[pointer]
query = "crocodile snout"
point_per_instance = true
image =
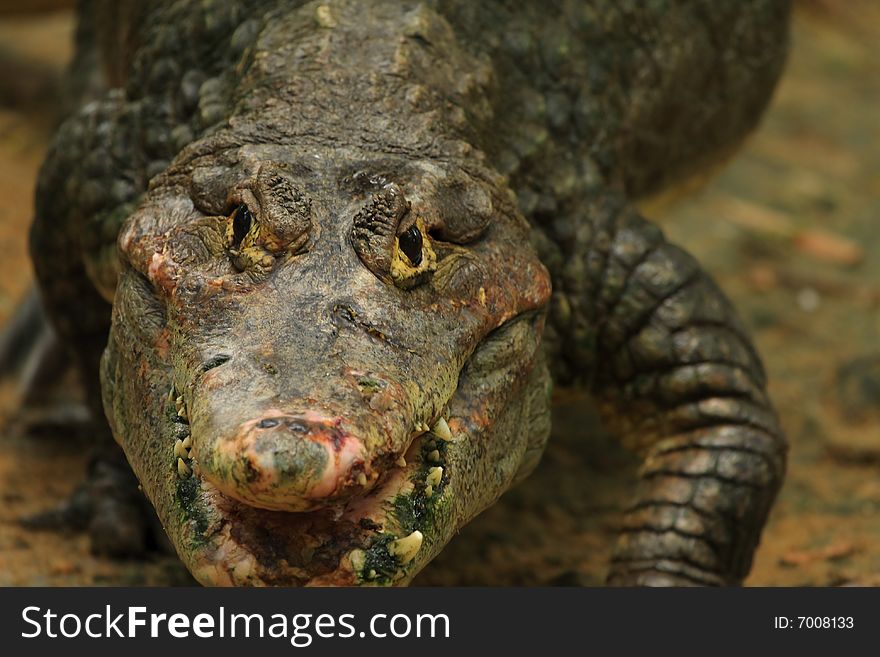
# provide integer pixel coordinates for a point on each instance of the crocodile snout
(285, 461)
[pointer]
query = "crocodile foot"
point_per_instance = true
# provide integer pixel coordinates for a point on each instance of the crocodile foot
(107, 505)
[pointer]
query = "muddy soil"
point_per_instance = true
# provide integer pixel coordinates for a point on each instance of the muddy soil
(789, 228)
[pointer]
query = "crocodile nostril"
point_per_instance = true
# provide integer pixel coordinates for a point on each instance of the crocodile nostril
(296, 426)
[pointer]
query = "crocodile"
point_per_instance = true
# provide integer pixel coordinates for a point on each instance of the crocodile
(319, 262)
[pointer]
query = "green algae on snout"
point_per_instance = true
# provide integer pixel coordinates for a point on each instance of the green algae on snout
(188, 501)
(191, 509)
(415, 511)
(379, 564)
(369, 386)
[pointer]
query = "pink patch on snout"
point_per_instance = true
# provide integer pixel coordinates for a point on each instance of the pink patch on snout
(340, 459)
(160, 272)
(344, 451)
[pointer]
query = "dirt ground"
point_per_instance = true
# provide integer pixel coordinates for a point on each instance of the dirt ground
(789, 228)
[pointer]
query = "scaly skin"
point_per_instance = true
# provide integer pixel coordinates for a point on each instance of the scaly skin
(337, 226)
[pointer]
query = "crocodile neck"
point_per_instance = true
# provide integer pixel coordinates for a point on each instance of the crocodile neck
(333, 75)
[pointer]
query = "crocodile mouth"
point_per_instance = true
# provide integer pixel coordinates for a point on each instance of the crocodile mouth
(372, 538)
(381, 534)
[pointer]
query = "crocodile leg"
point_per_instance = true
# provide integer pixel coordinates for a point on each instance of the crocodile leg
(26, 344)
(35, 363)
(80, 186)
(677, 377)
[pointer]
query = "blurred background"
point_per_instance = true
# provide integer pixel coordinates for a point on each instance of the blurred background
(790, 227)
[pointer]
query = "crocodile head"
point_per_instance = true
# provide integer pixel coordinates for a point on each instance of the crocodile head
(322, 363)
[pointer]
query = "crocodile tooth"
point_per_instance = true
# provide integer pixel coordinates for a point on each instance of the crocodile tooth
(406, 548)
(362, 479)
(371, 574)
(178, 402)
(434, 456)
(429, 491)
(441, 430)
(187, 443)
(358, 559)
(435, 474)
(181, 413)
(401, 462)
(182, 468)
(172, 394)
(180, 450)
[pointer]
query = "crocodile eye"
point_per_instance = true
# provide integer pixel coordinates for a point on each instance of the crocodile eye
(407, 259)
(410, 243)
(242, 221)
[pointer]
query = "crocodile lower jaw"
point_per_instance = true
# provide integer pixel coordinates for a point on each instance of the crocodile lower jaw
(248, 546)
